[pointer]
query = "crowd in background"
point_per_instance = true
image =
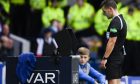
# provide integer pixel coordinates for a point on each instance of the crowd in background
(32, 19)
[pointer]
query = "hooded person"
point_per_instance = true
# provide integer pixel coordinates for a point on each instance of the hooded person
(25, 66)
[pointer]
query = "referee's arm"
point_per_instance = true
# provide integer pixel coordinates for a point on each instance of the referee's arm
(110, 46)
(113, 29)
(109, 49)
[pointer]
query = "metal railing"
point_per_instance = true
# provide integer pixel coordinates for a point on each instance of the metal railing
(21, 45)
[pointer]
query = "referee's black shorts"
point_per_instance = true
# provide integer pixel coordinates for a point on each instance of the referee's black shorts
(114, 69)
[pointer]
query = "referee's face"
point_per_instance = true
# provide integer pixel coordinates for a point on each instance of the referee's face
(107, 12)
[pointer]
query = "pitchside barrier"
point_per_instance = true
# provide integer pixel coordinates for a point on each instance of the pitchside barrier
(64, 71)
(48, 70)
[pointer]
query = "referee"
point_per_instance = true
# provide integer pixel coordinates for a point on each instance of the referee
(116, 34)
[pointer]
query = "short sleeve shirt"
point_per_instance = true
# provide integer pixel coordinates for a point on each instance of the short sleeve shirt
(117, 28)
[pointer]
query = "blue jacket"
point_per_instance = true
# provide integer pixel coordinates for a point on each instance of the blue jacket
(92, 73)
(25, 66)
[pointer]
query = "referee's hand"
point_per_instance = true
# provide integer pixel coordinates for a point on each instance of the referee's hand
(103, 63)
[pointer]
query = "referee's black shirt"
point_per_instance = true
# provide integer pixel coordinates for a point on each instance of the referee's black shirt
(117, 28)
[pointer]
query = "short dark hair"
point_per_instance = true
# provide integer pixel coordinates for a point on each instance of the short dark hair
(109, 3)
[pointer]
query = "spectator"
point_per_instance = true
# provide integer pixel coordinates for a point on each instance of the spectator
(80, 17)
(86, 72)
(47, 44)
(56, 26)
(6, 41)
(52, 12)
(94, 43)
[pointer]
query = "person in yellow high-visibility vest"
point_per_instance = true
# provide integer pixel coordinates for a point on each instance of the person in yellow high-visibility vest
(136, 43)
(62, 3)
(37, 4)
(5, 10)
(137, 15)
(80, 15)
(101, 22)
(131, 14)
(6, 5)
(52, 12)
(131, 18)
(17, 2)
(80, 18)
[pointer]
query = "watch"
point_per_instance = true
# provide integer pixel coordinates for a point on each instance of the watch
(105, 58)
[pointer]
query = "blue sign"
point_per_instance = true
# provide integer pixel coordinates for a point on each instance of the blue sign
(133, 80)
(2, 73)
(1, 67)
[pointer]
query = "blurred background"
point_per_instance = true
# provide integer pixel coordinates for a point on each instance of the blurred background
(29, 25)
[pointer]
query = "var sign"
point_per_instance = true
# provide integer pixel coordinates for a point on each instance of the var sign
(44, 77)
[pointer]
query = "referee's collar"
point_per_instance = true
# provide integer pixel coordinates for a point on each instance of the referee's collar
(115, 16)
